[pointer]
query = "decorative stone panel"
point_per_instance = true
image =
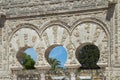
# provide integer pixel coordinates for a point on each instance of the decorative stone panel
(24, 37)
(91, 32)
(57, 34)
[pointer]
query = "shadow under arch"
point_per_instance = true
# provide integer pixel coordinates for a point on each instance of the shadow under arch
(23, 25)
(88, 55)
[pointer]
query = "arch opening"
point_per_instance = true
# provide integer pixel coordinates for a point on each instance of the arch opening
(56, 55)
(88, 56)
(27, 57)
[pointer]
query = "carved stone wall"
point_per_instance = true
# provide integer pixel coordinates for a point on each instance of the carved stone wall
(116, 58)
(30, 7)
(91, 32)
(70, 23)
(118, 32)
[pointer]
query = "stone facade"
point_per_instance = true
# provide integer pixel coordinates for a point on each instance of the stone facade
(70, 23)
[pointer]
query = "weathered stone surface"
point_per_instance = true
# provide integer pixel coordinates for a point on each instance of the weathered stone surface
(70, 23)
(18, 8)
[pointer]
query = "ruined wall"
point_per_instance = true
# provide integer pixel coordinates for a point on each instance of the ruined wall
(70, 23)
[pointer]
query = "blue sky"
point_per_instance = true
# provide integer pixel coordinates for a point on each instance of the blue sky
(58, 52)
(32, 53)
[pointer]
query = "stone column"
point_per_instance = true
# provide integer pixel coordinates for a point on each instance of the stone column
(14, 77)
(2, 21)
(0, 46)
(2, 72)
(72, 74)
(42, 76)
(117, 33)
